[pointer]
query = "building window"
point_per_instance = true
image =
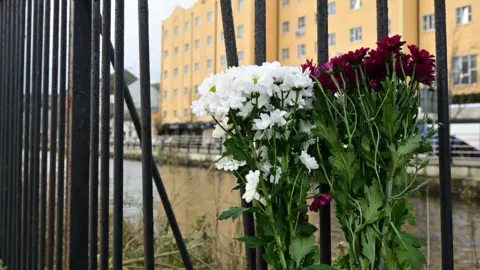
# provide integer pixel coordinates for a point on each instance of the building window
(240, 31)
(240, 57)
(165, 94)
(176, 50)
(197, 44)
(197, 21)
(187, 69)
(302, 50)
(389, 27)
(187, 47)
(187, 26)
(185, 113)
(196, 89)
(164, 115)
(241, 5)
(210, 16)
(185, 91)
(332, 9)
(332, 40)
(165, 34)
(286, 27)
(285, 53)
(301, 22)
(465, 70)
(165, 54)
(429, 22)
(175, 116)
(356, 34)
(177, 30)
(175, 72)
(285, 3)
(223, 60)
(165, 75)
(175, 92)
(209, 63)
(196, 66)
(222, 37)
(464, 15)
(355, 4)
(209, 40)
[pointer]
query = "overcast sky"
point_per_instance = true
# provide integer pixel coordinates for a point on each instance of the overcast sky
(159, 11)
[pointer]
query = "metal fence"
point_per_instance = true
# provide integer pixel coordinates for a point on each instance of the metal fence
(40, 226)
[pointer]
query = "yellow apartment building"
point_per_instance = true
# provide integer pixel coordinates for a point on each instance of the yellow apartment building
(193, 47)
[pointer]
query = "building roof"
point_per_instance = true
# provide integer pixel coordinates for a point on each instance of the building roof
(129, 79)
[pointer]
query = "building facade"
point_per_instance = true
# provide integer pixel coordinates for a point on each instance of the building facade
(193, 47)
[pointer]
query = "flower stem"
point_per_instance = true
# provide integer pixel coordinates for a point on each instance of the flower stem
(277, 238)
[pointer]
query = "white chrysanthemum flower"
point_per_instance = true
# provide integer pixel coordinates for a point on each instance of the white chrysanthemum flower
(245, 110)
(307, 144)
(263, 134)
(263, 152)
(278, 117)
(308, 161)
(265, 168)
(219, 131)
(228, 163)
(306, 127)
(275, 178)
(263, 123)
(252, 178)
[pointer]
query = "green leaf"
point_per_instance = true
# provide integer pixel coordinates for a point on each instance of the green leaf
(328, 134)
(374, 202)
(252, 242)
(319, 267)
(300, 247)
(368, 245)
(409, 250)
(233, 213)
(345, 164)
(306, 228)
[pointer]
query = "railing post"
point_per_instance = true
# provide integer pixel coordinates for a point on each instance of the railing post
(232, 61)
(78, 135)
(443, 101)
(325, 212)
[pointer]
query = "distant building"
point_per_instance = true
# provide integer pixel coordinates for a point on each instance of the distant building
(193, 45)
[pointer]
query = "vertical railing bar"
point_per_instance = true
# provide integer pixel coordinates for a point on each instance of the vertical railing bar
(30, 216)
(3, 131)
(78, 136)
(6, 136)
(53, 139)
(21, 184)
(13, 134)
(26, 150)
(118, 138)
(146, 134)
(232, 61)
(44, 159)
(325, 224)
(94, 118)
(8, 256)
(61, 138)
(444, 136)
(36, 132)
(260, 58)
(382, 19)
(156, 177)
(2, 120)
(105, 137)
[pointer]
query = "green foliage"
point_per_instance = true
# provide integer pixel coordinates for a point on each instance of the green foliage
(367, 142)
(301, 247)
(251, 242)
(233, 213)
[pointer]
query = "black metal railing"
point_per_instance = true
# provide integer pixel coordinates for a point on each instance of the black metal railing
(41, 226)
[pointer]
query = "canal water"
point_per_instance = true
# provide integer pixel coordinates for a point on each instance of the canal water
(201, 192)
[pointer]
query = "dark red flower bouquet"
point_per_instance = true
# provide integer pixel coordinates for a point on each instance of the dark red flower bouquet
(368, 130)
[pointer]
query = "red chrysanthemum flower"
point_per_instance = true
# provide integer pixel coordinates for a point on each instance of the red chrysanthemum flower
(320, 201)
(309, 65)
(356, 57)
(391, 44)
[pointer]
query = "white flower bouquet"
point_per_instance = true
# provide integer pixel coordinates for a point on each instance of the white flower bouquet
(264, 113)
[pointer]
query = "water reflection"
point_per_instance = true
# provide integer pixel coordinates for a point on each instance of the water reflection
(197, 191)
